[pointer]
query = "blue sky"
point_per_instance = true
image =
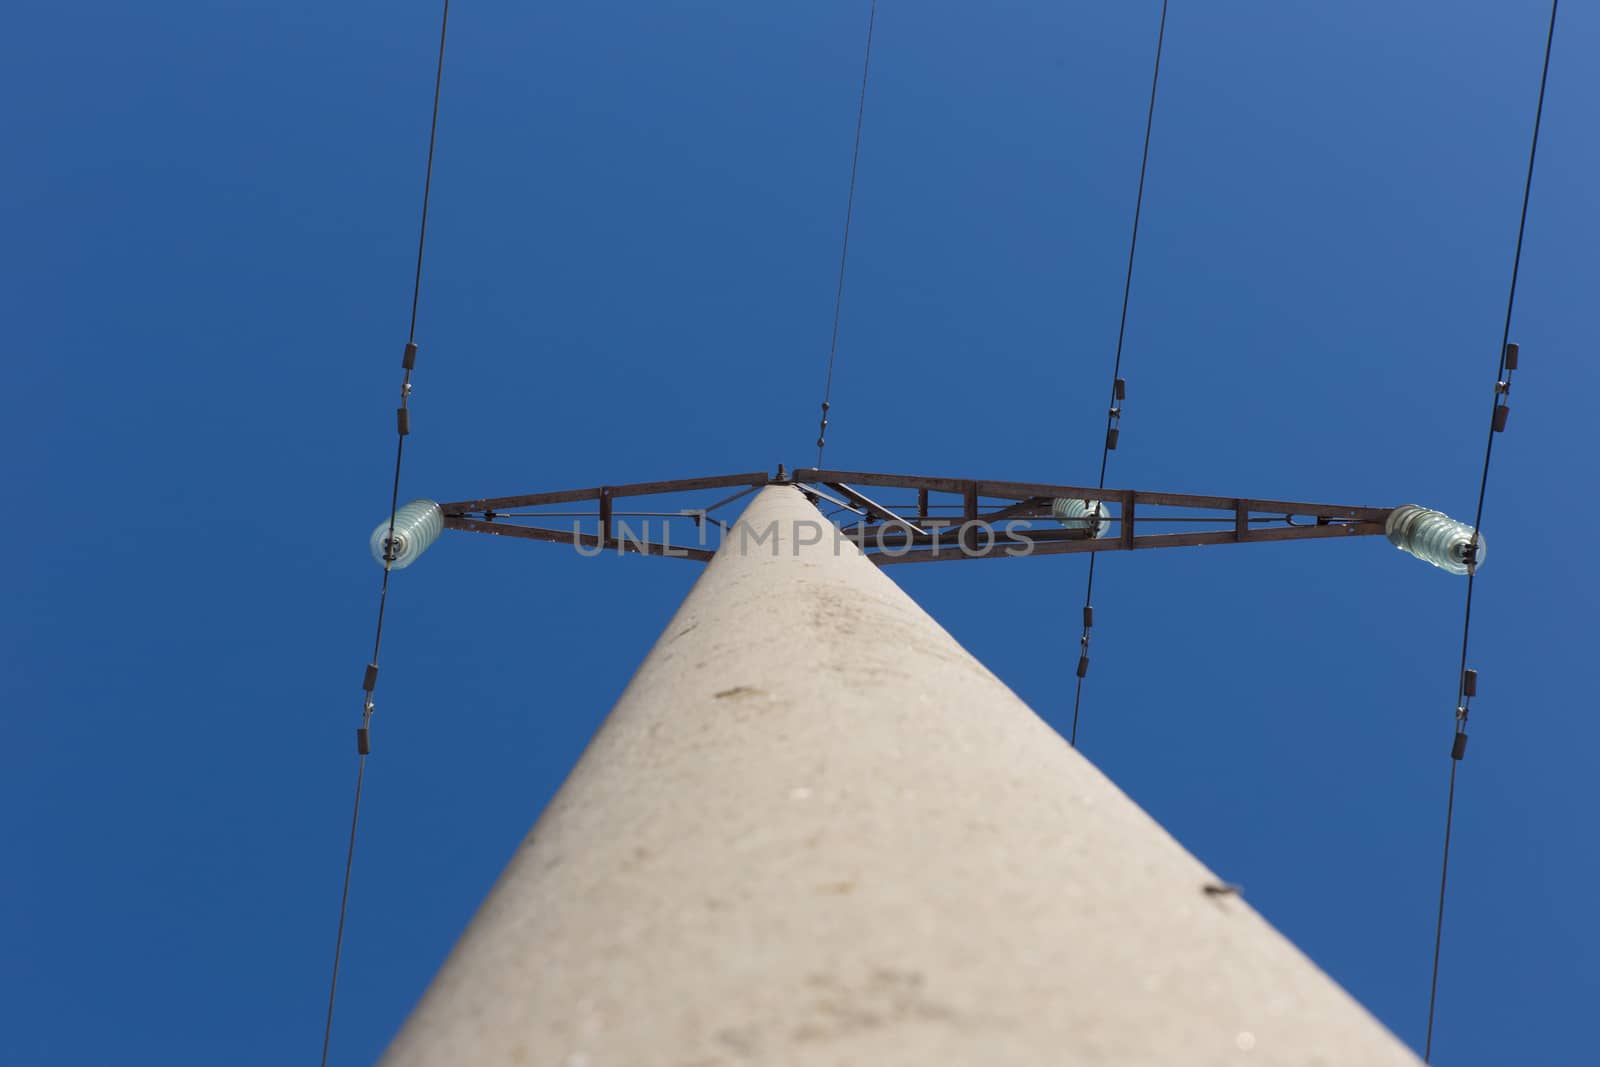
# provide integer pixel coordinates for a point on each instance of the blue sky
(210, 227)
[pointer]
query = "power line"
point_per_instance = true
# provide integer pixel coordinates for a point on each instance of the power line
(1466, 680)
(403, 428)
(844, 250)
(344, 900)
(1118, 386)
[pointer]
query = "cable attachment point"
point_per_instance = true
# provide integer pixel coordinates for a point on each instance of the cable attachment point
(364, 731)
(1119, 390)
(1502, 388)
(398, 540)
(1086, 515)
(1436, 538)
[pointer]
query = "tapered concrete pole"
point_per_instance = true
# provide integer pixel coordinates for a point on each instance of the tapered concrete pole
(815, 831)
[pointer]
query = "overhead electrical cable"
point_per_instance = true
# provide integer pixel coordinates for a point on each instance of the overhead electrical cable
(844, 249)
(1467, 680)
(1118, 385)
(403, 428)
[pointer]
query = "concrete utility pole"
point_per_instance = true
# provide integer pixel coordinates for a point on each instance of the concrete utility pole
(816, 831)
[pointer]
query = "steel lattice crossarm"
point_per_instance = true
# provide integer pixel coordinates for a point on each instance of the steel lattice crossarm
(896, 518)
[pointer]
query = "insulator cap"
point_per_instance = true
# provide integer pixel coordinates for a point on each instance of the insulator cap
(402, 418)
(1511, 356)
(1083, 666)
(1088, 616)
(1434, 537)
(416, 526)
(370, 681)
(1469, 682)
(1501, 413)
(1121, 388)
(1081, 515)
(409, 360)
(363, 740)
(1111, 438)
(1458, 749)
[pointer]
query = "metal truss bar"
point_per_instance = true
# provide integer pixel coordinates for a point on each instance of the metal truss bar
(1356, 513)
(813, 491)
(958, 486)
(577, 539)
(1034, 507)
(995, 518)
(902, 532)
(1019, 545)
(725, 501)
(755, 478)
(946, 531)
(932, 527)
(872, 506)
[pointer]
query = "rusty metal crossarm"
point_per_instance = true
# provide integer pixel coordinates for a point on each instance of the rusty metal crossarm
(989, 519)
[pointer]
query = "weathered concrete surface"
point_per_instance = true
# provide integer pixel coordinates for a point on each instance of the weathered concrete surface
(815, 831)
